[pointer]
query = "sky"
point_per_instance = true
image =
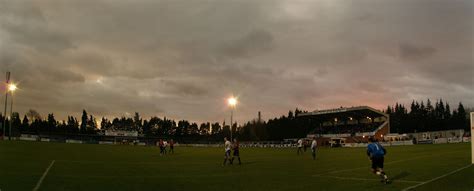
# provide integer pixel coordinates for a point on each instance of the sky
(183, 58)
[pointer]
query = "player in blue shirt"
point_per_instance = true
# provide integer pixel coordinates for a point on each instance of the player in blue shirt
(376, 154)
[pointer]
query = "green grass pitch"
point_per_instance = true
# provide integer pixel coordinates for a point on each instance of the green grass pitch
(119, 167)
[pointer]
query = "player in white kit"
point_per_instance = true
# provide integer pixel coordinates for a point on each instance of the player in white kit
(227, 146)
(314, 145)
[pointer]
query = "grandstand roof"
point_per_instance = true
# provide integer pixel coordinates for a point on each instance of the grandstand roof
(359, 112)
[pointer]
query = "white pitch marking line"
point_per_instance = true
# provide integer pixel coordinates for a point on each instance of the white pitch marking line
(393, 162)
(349, 178)
(44, 175)
(437, 178)
(351, 169)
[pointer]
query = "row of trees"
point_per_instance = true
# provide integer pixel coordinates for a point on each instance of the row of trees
(429, 117)
(33, 123)
(419, 117)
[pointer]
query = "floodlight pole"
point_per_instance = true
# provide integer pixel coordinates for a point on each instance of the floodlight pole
(472, 137)
(6, 102)
(11, 119)
(5, 115)
(231, 123)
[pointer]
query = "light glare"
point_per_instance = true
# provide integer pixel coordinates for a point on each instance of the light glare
(232, 101)
(12, 87)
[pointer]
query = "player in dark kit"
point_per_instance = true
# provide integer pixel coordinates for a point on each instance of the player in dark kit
(376, 154)
(162, 147)
(305, 145)
(236, 146)
(171, 146)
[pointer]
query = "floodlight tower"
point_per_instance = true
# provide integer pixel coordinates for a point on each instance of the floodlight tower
(11, 88)
(6, 102)
(232, 102)
(472, 137)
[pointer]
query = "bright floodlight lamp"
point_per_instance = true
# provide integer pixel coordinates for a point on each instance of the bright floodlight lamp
(232, 101)
(12, 87)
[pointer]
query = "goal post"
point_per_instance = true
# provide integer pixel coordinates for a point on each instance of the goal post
(472, 137)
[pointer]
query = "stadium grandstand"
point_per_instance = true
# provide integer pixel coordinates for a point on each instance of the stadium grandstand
(347, 125)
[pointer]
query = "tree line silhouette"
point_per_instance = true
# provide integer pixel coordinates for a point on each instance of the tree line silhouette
(427, 117)
(418, 118)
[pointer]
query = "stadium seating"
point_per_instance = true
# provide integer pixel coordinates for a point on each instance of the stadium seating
(348, 129)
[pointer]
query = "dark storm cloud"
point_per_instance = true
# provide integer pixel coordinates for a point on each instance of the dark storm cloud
(189, 88)
(181, 59)
(64, 76)
(251, 44)
(412, 52)
(27, 26)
